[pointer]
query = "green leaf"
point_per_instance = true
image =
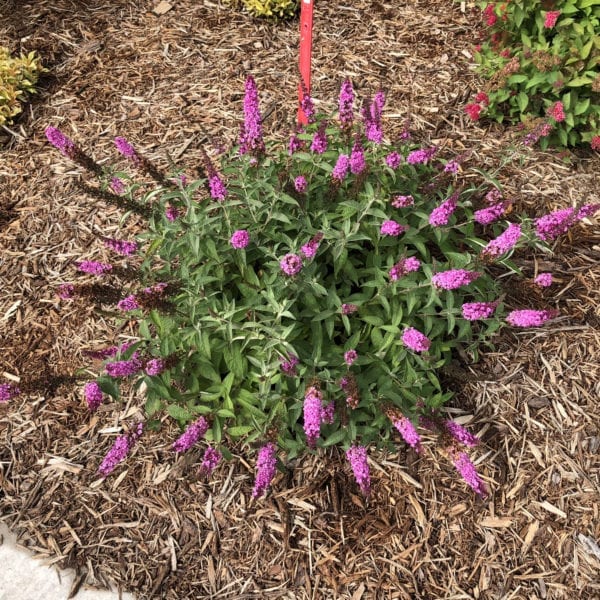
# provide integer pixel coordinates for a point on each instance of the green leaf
(522, 101)
(179, 413)
(580, 81)
(239, 431)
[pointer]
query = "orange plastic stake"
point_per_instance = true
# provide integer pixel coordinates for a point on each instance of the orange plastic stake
(306, 25)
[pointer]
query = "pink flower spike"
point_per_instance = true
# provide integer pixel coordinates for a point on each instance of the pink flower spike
(461, 435)
(265, 466)
(126, 149)
(415, 340)
(7, 392)
(543, 280)
(93, 395)
(409, 433)
(291, 264)
(357, 456)
(210, 460)
(392, 228)
(191, 435)
(530, 318)
(503, 243)
(313, 413)
(120, 449)
(473, 311)
(551, 18)
(465, 467)
(350, 357)
(240, 239)
(454, 278)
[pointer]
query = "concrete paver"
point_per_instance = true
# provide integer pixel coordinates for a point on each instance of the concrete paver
(23, 577)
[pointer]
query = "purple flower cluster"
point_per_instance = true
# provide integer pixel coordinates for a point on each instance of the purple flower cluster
(404, 266)
(251, 139)
(300, 184)
(8, 391)
(93, 267)
(126, 149)
(307, 105)
(210, 460)
(357, 158)
(120, 449)
(587, 211)
(408, 432)
(415, 340)
(289, 364)
(265, 469)
(217, 188)
(530, 318)
(350, 356)
(346, 101)
(172, 213)
(422, 156)
(93, 395)
(473, 311)
(550, 226)
(393, 160)
(313, 414)
(128, 303)
(291, 264)
(460, 434)
(488, 215)
(465, 467)
(439, 216)
(503, 243)
(240, 239)
(348, 309)
(372, 118)
(191, 435)
(122, 247)
(403, 201)
(341, 168)
(543, 280)
(454, 278)
(59, 140)
(124, 368)
(108, 352)
(319, 142)
(357, 456)
(66, 291)
(452, 166)
(392, 227)
(155, 366)
(117, 186)
(310, 250)
(328, 413)
(295, 144)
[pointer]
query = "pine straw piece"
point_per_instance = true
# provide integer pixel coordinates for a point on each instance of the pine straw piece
(173, 84)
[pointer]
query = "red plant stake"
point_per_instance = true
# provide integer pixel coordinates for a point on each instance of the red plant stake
(306, 23)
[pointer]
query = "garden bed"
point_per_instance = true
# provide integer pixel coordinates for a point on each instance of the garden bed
(171, 84)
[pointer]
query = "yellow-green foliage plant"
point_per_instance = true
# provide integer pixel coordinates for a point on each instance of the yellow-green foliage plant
(18, 77)
(277, 9)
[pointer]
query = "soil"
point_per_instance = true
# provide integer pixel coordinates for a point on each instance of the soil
(173, 84)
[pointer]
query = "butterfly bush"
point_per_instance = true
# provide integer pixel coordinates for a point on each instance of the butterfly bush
(311, 298)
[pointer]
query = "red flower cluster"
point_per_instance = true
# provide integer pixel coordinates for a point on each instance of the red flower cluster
(556, 111)
(551, 18)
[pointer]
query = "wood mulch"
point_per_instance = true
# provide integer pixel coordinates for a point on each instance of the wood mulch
(171, 84)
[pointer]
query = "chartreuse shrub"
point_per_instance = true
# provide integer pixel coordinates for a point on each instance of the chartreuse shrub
(278, 9)
(306, 296)
(541, 60)
(18, 77)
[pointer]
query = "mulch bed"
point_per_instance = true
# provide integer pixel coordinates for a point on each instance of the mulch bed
(173, 84)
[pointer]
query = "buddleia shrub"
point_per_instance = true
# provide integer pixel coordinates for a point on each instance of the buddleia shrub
(18, 77)
(306, 296)
(541, 62)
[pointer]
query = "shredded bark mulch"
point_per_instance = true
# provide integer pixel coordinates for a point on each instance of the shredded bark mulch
(172, 84)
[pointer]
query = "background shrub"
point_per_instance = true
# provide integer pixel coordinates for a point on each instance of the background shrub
(541, 62)
(18, 77)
